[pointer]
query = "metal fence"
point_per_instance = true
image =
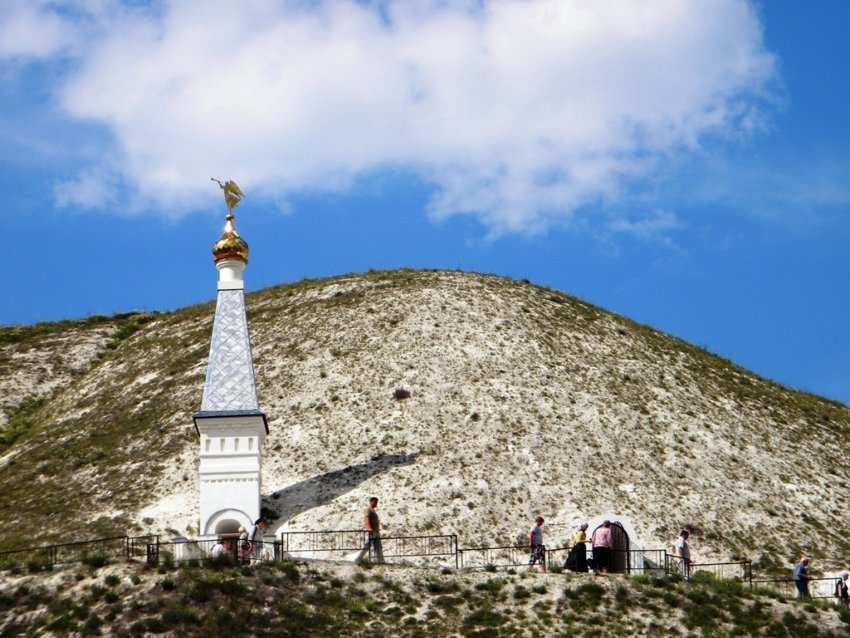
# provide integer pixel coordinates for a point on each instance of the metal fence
(199, 549)
(347, 544)
(435, 549)
(675, 565)
(429, 550)
(45, 557)
(818, 587)
(737, 570)
(623, 561)
(493, 557)
(328, 544)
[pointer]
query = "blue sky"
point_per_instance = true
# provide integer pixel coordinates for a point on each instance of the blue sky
(686, 164)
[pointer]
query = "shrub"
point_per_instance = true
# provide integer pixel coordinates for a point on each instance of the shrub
(38, 565)
(440, 586)
(95, 561)
(289, 568)
(493, 585)
(178, 616)
(521, 593)
(585, 597)
(167, 584)
(91, 627)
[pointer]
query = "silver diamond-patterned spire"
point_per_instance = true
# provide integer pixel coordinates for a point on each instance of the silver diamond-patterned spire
(230, 370)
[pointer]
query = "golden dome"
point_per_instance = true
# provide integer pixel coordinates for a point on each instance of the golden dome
(230, 245)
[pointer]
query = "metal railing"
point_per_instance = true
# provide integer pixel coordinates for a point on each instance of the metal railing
(494, 557)
(341, 544)
(437, 549)
(622, 561)
(675, 565)
(324, 544)
(47, 556)
(818, 587)
(199, 549)
(433, 548)
(736, 570)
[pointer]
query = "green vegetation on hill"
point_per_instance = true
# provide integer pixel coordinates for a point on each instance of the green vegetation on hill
(328, 601)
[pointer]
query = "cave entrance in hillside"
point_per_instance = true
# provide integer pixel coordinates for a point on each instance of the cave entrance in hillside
(620, 556)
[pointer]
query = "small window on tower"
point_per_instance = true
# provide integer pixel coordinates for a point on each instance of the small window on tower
(207, 447)
(235, 445)
(221, 445)
(250, 443)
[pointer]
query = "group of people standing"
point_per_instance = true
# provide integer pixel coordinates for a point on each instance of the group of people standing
(249, 546)
(601, 543)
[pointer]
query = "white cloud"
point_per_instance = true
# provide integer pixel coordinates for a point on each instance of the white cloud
(30, 29)
(518, 111)
(655, 226)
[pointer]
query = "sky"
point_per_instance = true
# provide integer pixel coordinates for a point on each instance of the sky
(682, 163)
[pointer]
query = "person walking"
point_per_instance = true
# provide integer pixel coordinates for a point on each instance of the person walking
(842, 593)
(801, 577)
(243, 545)
(538, 549)
(372, 523)
(603, 542)
(683, 551)
(255, 540)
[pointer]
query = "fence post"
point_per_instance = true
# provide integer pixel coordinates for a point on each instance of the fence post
(153, 553)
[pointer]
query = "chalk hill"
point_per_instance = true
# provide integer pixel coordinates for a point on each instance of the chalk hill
(468, 402)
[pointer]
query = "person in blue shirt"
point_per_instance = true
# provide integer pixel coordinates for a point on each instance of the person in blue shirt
(801, 577)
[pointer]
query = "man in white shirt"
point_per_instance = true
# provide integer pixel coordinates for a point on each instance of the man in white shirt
(684, 552)
(535, 541)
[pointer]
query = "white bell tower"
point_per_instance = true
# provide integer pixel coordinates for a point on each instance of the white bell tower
(230, 424)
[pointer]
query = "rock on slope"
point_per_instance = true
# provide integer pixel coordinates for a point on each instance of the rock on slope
(468, 402)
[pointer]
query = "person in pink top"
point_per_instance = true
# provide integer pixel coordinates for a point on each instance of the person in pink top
(603, 543)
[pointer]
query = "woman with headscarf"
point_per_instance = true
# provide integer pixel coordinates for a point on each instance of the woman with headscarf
(603, 542)
(579, 540)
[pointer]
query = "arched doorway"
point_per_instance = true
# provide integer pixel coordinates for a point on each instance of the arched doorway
(226, 523)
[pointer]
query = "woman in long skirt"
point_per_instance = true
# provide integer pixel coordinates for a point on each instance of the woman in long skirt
(580, 548)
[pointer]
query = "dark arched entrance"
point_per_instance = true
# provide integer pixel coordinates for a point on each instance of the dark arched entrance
(620, 556)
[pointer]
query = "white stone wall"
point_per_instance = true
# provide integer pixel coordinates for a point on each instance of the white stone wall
(230, 471)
